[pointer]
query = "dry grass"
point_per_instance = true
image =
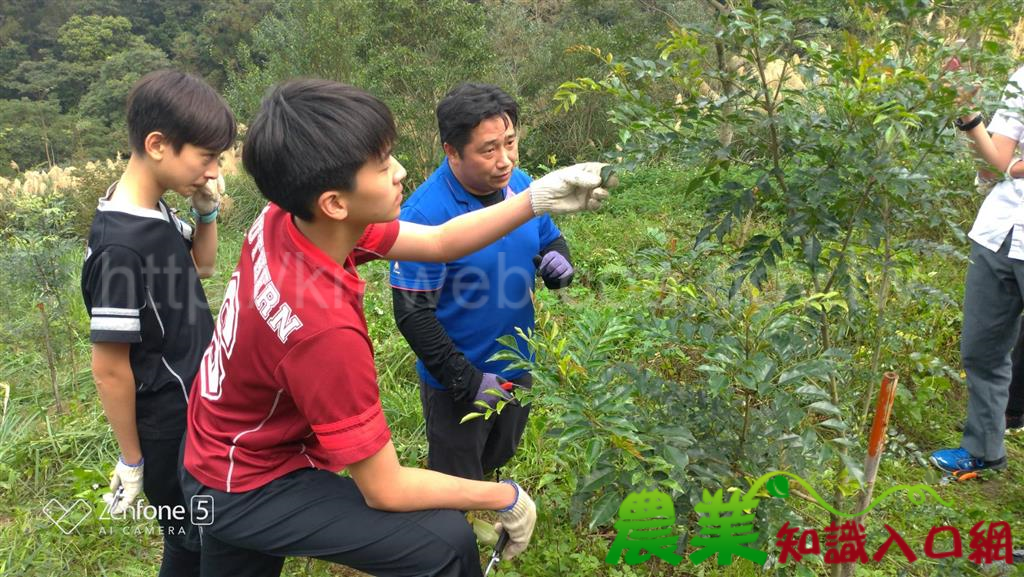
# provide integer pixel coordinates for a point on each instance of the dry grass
(1018, 39)
(56, 179)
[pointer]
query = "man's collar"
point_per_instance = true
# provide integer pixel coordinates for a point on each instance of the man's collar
(459, 192)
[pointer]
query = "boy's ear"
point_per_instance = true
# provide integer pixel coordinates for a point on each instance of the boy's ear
(155, 145)
(450, 152)
(334, 204)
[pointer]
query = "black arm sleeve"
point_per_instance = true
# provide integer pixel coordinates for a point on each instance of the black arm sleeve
(414, 315)
(561, 246)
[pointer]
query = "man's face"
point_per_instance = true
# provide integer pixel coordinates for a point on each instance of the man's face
(487, 160)
(377, 195)
(187, 170)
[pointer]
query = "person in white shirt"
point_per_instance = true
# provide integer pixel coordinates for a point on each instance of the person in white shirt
(994, 295)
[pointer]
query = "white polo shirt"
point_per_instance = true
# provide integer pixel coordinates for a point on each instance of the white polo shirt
(1003, 209)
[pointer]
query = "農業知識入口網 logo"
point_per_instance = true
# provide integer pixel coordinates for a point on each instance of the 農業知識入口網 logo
(727, 530)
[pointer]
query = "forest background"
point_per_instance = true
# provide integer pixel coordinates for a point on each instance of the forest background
(790, 225)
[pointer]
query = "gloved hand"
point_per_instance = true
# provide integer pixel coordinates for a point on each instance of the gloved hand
(492, 382)
(518, 520)
(984, 185)
(128, 477)
(570, 189)
(555, 270)
(207, 199)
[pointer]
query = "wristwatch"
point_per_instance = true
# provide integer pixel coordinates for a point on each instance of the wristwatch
(970, 124)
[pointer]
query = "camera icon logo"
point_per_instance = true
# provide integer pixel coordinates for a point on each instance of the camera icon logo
(201, 513)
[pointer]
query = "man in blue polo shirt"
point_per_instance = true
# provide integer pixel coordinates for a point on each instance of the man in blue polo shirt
(453, 313)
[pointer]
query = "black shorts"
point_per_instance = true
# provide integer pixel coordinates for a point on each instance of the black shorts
(475, 448)
(316, 513)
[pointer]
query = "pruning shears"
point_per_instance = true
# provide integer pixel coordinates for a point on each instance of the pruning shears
(116, 500)
(496, 554)
(959, 476)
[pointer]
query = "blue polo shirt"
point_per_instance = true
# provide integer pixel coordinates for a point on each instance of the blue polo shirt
(484, 295)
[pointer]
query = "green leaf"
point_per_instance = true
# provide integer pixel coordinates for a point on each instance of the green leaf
(853, 467)
(825, 408)
(845, 442)
(605, 509)
(811, 391)
(596, 480)
(835, 424)
(545, 479)
(677, 458)
(470, 417)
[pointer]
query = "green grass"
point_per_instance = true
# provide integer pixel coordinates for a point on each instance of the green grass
(45, 455)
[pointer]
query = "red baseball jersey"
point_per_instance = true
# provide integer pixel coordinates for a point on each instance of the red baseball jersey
(288, 381)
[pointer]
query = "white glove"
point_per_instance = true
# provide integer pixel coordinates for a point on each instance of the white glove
(518, 522)
(570, 189)
(207, 199)
(984, 185)
(128, 478)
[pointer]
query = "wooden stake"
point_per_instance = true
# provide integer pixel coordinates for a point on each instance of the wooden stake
(876, 443)
(49, 356)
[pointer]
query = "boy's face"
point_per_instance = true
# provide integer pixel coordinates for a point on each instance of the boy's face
(487, 160)
(377, 196)
(186, 171)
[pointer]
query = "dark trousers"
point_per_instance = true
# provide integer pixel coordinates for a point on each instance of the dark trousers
(315, 513)
(475, 448)
(161, 486)
(993, 300)
(1015, 405)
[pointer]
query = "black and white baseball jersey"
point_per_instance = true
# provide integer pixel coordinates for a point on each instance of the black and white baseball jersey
(141, 287)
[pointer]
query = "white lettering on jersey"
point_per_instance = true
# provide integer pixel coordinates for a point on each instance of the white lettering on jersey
(211, 371)
(284, 322)
(267, 299)
(257, 227)
(266, 296)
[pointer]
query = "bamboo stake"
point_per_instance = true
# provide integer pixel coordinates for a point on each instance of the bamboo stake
(876, 442)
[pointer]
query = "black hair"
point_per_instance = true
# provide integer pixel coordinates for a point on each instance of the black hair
(466, 106)
(311, 136)
(184, 108)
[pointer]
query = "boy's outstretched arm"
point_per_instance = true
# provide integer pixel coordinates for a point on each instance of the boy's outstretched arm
(566, 190)
(388, 486)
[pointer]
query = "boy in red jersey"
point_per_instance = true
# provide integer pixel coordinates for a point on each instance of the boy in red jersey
(287, 393)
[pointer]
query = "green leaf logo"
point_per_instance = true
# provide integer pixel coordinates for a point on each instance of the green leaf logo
(778, 486)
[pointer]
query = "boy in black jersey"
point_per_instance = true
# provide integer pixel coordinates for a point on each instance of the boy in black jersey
(150, 321)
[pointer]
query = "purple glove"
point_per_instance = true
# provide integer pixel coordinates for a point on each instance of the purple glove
(555, 269)
(492, 381)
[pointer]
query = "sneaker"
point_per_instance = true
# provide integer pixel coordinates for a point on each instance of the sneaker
(1014, 424)
(959, 460)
